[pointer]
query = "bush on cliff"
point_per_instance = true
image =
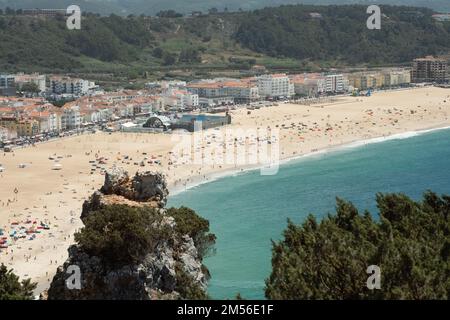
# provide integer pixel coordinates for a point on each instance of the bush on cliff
(187, 287)
(120, 234)
(12, 289)
(410, 242)
(190, 223)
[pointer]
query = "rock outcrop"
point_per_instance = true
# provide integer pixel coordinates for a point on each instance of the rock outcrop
(155, 276)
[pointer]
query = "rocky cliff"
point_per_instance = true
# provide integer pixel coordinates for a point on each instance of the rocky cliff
(163, 273)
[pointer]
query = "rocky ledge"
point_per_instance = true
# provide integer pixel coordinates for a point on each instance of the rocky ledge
(157, 273)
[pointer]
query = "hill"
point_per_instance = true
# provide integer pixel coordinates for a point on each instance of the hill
(151, 7)
(284, 38)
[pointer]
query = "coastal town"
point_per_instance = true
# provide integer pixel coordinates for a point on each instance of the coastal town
(32, 117)
(45, 184)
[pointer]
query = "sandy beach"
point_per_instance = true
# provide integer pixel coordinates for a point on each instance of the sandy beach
(36, 194)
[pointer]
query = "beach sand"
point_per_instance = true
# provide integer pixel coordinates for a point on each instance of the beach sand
(55, 197)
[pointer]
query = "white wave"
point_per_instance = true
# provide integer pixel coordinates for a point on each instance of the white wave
(318, 153)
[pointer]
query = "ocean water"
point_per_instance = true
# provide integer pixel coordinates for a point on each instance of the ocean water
(247, 211)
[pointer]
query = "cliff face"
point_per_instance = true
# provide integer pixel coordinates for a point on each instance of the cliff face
(157, 274)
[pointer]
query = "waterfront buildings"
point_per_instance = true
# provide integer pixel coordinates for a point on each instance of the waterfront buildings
(275, 86)
(180, 99)
(335, 83)
(380, 79)
(312, 84)
(430, 69)
(71, 118)
(224, 91)
(22, 127)
(308, 84)
(6, 134)
(48, 121)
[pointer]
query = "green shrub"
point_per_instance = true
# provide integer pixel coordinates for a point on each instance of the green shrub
(120, 234)
(328, 260)
(12, 289)
(190, 223)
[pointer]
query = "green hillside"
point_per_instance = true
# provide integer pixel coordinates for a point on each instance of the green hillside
(284, 38)
(151, 7)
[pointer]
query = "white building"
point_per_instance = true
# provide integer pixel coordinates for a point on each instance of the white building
(237, 90)
(6, 134)
(181, 99)
(336, 83)
(275, 86)
(397, 77)
(48, 122)
(6, 81)
(64, 85)
(71, 118)
(309, 84)
(7, 85)
(38, 79)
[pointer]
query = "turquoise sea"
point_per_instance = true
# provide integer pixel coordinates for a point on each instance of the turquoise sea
(247, 210)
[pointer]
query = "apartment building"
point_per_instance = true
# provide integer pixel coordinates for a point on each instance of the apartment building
(241, 91)
(23, 127)
(48, 121)
(430, 69)
(206, 89)
(38, 79)
(394, 78)
(65, 85)
(335, 83)
(181, 99)
(71, 118)
(7, 85)
(236, 90)
(380, 79)
(308, 84)
(275, 86)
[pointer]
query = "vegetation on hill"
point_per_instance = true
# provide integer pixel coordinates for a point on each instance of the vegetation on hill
(123, 235)
(133, 232)
(284, 38)
(410, 242)
(129, 233)
(151, 7)
(342, 34)
(12, 289)
(188, 222)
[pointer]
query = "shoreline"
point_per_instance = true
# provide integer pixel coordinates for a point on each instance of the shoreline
(221, 174)
(56, 197)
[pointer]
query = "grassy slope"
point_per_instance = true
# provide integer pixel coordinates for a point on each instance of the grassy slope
(123, 47)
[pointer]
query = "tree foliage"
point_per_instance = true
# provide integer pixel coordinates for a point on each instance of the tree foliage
(12, 289)
(188, 222)
(30, 87)
(120, 234)
(410, 242)
(341, 34)
(114, 42)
